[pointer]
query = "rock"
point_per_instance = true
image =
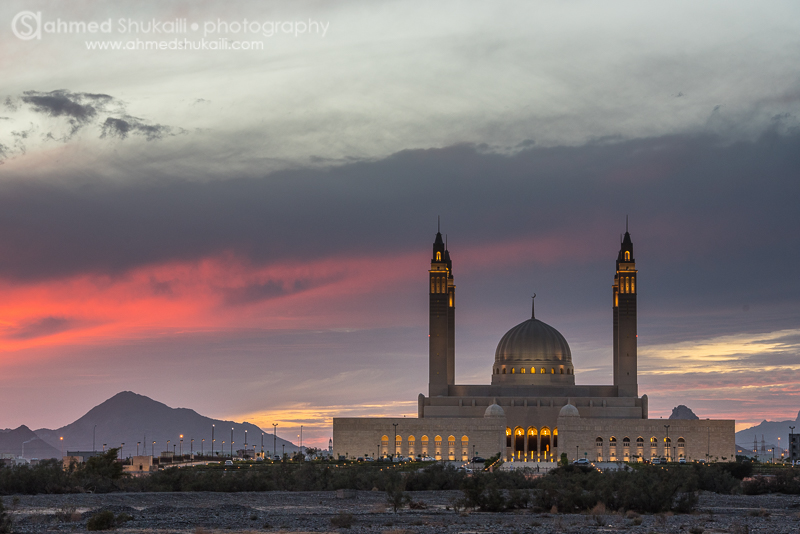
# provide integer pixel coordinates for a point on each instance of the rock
(682, 412)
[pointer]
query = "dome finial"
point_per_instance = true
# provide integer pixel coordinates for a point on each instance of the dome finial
(533, 306)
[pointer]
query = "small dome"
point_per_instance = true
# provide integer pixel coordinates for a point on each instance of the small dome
(569, 411)
(495, 410)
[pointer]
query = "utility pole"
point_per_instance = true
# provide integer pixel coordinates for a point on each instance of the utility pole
(274, 439)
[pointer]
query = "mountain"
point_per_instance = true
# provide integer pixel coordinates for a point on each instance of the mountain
(130, 418)
(23, 438)
(682, 412)
(771, 431)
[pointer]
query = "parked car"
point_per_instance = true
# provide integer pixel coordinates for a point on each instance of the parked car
(681, 460)
(478, 460)
(428, 459)
(228, 462)
(656, 461)
(581, 461)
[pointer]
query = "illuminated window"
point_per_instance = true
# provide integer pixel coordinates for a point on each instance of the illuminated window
(438, 256)
(522, 370)
(653, 443)
(542, 371)
(424, 442)
(627, 256)
(599, 442)
(533, 370)
(555, 438)
(451, 441)
(437, 441)
(512, 371)
(626, 441)
(552, 371)
(508, 437)
(633, 285)
(681, 443)
(640, 442)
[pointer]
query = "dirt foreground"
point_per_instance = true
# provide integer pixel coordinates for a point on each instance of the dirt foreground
(203, 513)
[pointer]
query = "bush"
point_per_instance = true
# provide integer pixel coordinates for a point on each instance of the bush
(342, 520)
(5, 521)
(101, 521)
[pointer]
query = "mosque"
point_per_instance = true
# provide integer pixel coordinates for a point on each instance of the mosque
(533, 411)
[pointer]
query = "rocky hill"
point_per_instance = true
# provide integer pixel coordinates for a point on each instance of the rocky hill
(130, 418)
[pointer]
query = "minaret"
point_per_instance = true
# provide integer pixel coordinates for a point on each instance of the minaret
(441, 342)
(625, 334)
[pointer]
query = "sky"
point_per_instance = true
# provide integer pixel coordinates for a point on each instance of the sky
(230, 206)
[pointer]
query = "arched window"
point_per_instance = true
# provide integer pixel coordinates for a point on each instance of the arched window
(653, 442)
(627, 256)
(433, 285)
(544, 442)
(424, 447)
(451, 442)
(533, 370)
(438, 256)
(552, 371)
(633, 285)
(533, 442)
(519, 442)
(504, 370)
(681, 443)
(542, 371)
(598, 441)
(512, 371)
(562, 370)
(640, 442)
(626, 441)
(384, 445)
(555, 438)
(522, 370)
(508, 437)
(612, 441)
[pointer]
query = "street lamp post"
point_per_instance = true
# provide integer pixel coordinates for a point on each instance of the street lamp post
(577, 449)
(245, 439)
(301, 439)
(168, 442)
(202, 447)
(181, 449)
(137, 448)
(791, 444)
(61, 439)
(191, 448)
(667, 443)
(212, 440)
(231, 443)
(274, 438)
(262, 445)
(153, 450)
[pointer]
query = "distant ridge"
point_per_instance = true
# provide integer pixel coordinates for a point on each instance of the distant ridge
(128, 418)
(771, 431)
(14, 441)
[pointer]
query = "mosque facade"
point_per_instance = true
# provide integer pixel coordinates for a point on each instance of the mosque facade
(532, 410)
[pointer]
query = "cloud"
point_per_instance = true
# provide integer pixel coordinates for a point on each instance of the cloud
(121, 128)
(41, 327)
(80, 109)
(77, 111)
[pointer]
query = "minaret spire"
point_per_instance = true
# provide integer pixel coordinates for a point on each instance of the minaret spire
(533, 306)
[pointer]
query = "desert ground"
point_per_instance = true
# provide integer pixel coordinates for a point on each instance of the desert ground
(367, 511)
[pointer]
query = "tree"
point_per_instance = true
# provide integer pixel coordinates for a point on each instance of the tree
(104, 466)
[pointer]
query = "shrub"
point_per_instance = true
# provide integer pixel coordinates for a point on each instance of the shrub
(101, 521)
(342, 520)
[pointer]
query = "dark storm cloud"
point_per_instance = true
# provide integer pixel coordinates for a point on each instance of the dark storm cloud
(44, 326)
(710, 215)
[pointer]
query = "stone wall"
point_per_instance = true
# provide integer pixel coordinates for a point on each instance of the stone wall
(355, 437)
(704, 439)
